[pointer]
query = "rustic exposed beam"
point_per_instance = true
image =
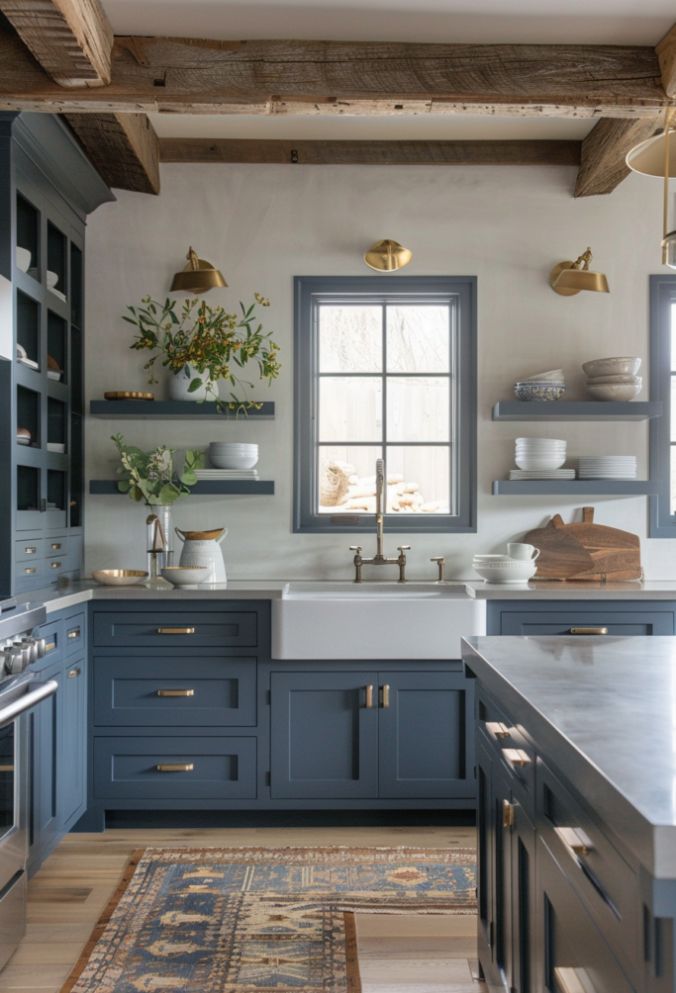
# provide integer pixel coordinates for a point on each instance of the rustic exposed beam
(370, 152)
(602, 165)
(123, 147)
(291, 77)
(71, 39)
(666, 54)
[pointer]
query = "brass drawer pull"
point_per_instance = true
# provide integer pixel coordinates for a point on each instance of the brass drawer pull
(368, 696)
(174, 767)
(385, 696)
(56, 546)
(55, 565)
(73, 673)
(516, 757)
(588, 630)
(576, 841)
(186, 630)
(50, 646)
(174, 693)
(73, 634)
(30, 570)
(31, 550)
(497, 729)
(508, 815)
(571, 980)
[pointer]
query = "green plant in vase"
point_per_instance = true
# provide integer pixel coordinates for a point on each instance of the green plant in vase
(151, 477)
(203, 346)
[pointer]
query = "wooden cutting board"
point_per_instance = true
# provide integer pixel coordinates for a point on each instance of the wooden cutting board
(586, 551)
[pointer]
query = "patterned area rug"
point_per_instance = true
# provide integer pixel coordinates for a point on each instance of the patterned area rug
(259, 920)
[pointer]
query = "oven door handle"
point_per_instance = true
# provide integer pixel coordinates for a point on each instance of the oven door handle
(28, 700)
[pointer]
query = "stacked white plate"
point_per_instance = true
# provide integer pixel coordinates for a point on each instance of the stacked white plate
(542, 474)
(607, 467)
(232, 455)
(540, 454)
(226, 473)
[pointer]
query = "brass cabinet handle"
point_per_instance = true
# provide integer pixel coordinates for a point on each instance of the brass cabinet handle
(385, 696)
(508, 814)
(516, 757)
(571, 980)
(50, 646)
(73, 673)
(575, 840)
(55, 565)
(186, 630)
(588, 630)
(56, 546)
(30, 550)
(368, 696)
(497, 729)
(174, 767)
(174, 693)
(73, 634)
(30, 570)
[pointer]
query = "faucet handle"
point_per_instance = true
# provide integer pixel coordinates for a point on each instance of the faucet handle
(441, 563)
(356, 548)
(403, 548)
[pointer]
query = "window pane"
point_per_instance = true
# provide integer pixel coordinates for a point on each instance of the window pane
(672, 504)
(350, 339)
(418, 480)
(347, 482)
(673, 336)
(673, 408)
(418, 338)
(350, 409)
(418, 409)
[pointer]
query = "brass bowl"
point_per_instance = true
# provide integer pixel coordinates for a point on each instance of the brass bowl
(211, 535)
(119, 577)
(128, 395)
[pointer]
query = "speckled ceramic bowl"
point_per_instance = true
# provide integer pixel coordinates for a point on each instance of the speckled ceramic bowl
(544, 390)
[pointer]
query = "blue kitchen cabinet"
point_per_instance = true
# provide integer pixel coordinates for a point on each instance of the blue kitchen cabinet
(619, 618)
(44, 828)
(71, 759)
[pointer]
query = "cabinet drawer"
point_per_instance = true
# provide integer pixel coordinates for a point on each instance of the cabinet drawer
(52, 632)
(509, 746)
(30, 575)
(174, 692)
(576, 956)
(56, 546)
(54, 567)
(607, 885)
(174, 768)
(29, 550)
(177, 629)
(597, 621)
(74, 634)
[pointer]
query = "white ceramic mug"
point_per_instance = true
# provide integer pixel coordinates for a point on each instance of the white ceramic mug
(519, 550)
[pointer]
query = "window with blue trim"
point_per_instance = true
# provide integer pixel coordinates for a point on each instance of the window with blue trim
(662, 518)
(385, 368)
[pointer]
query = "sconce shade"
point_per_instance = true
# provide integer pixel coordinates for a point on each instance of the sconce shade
(648, 156)
(198, 276)
(568, 278)
(387, 256)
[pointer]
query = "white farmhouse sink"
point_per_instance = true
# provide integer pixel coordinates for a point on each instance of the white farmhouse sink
(374, 621)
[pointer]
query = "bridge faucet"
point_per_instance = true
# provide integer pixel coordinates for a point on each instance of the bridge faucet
(380, 558)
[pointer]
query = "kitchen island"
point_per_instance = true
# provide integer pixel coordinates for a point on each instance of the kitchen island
(576, 766)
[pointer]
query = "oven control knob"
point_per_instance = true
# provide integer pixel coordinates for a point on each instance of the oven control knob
(41, 646)
(30, 646)
(14, 660)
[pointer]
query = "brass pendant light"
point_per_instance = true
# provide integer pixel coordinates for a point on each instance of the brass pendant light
(568, 278)
(387, 256)
(198, 276)
(657, 157)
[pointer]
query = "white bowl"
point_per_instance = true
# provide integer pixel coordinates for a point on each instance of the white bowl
(52, 279)
(227, 445)
(186, 575)
(514, 571)
(626, 365)
(536, 442)
(491, 559)
(233, 461)
(615, 391)
(551, 375)
(626, 380)
(540, 464)
(23, 258)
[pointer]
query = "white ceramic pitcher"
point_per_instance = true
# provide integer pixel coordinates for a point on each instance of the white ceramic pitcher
(204, 551)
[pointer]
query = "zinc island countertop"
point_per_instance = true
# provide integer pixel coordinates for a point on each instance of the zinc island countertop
(604, 712)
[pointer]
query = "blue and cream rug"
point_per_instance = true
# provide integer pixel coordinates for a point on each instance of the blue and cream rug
(259, 920)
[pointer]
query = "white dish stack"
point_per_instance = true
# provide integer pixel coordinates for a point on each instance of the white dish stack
(607, 467)
(614, 378)
(230, 460)
(540, 458)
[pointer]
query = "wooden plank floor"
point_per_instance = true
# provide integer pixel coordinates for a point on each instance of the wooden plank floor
(70, 891)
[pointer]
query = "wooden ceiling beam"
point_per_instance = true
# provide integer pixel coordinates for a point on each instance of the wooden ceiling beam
(602, 165)
(178, 75)
(666, 54)
(382, 153)
(71, 39)
(124, 148)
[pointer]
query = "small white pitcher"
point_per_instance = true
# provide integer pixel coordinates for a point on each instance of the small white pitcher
(204, 552)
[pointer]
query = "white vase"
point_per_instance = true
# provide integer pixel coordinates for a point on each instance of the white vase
(180, 381)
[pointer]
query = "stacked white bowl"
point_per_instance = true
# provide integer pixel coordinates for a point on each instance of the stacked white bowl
(504, 569)
(614, 378)
(540, 454)
(232, 455)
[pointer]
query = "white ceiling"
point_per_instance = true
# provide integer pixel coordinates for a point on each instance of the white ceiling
(619, 22)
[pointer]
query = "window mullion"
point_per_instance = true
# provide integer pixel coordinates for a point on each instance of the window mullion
(384, 395)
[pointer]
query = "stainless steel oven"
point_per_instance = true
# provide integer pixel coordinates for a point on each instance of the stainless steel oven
(20, 691)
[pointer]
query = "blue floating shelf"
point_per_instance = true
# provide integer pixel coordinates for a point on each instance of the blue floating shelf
(576, 410)
(206, 487)
(175, 409)
(573, 487)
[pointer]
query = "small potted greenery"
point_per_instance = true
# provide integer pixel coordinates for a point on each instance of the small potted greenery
(150, 476)
(203, 346)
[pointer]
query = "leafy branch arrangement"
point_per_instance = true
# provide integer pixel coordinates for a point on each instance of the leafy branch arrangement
(150, 476)
(206, 341)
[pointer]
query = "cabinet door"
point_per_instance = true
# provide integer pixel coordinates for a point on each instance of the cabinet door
(426, 741)
(629, 620)
(324, 735)
(44, 734)
(72, 744)
(522, 859)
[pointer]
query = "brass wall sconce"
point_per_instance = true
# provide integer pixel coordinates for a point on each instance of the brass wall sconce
(568, 278)
(387, 256)
(198, 276)
(657, 157)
